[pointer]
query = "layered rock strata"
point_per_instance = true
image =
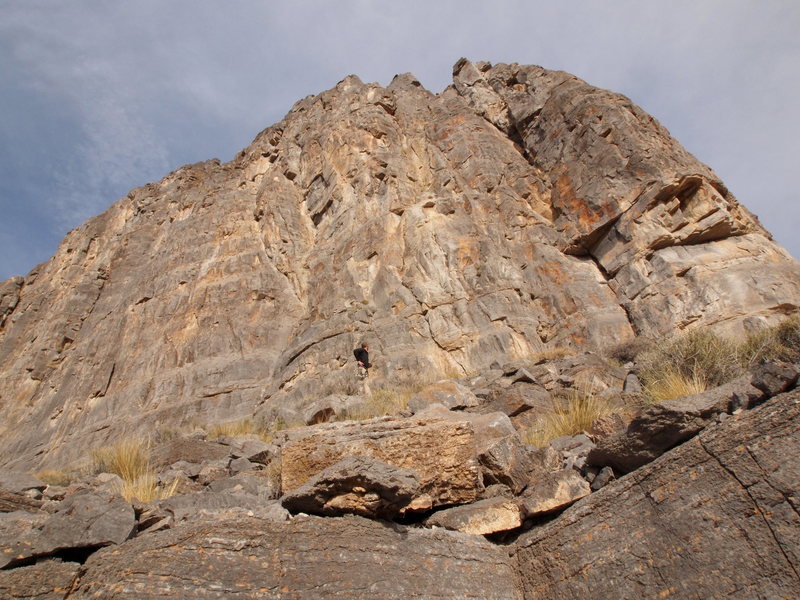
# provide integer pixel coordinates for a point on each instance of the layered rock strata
(519, 210)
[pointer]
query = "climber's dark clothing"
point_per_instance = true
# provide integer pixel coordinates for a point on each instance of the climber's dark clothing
(362, 356)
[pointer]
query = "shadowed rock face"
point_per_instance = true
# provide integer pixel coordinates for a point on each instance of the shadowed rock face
(518, 210)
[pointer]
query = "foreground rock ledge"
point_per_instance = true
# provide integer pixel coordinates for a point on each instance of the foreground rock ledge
(309, 557)
(715, 518)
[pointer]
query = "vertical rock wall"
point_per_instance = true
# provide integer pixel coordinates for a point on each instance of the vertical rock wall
(520, 209)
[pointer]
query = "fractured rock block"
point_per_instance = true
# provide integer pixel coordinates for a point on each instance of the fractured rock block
(440, 451)
(554, 492)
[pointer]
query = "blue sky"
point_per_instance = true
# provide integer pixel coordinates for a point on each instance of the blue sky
(99, 97)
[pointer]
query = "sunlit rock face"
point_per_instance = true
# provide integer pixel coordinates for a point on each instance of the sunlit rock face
(518, 210)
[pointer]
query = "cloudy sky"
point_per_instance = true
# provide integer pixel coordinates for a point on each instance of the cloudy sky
(99, 97)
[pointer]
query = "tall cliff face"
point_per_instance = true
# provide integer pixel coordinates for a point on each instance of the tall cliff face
(520, 209)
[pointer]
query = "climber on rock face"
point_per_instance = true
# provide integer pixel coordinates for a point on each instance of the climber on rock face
(362, 358)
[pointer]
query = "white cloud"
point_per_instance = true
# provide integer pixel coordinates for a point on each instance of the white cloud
(152, 84)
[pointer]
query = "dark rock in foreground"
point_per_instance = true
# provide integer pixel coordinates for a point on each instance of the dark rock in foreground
(716, 518)
(309, 557)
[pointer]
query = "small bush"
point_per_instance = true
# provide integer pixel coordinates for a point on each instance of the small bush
(781, 342)
(576, 414)
(788, 332)
(629, 351)
(699, 355)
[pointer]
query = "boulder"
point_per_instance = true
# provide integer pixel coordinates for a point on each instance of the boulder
(189, 450)
(484, 517)
(450, 394)
(331, 408)
(83, 522)
(517, 399)
(716, 517)
(441, 451)
(663, 426)
(553, 492)
(247, 448)
(358, 485)
(10, 502)
(307, 557)
(606, 426)
(226, 503)
(254, 483)
(500, 451)
(574, 450)
(18, 532)
(212, 470)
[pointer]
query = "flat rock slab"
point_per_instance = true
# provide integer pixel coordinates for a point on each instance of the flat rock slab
(481, 518)
(715, 518)
(307, 558)
(49, 580)
(441, 452)
(81, 521)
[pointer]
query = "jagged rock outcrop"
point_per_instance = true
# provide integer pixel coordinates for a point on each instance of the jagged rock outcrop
(668, 424)
(519, 210)
(714, 518)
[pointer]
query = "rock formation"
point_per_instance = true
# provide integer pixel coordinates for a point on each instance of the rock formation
(518, 210)
(488, 242)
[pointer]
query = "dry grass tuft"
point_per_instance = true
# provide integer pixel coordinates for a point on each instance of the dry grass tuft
(243, 428)
(700, 360)
(698, 357)
(672, 385)
(146, 489)
(246, 428)
(555, 353)
(381, 403)
(60, 477)
(580, 409)
(130, 459)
